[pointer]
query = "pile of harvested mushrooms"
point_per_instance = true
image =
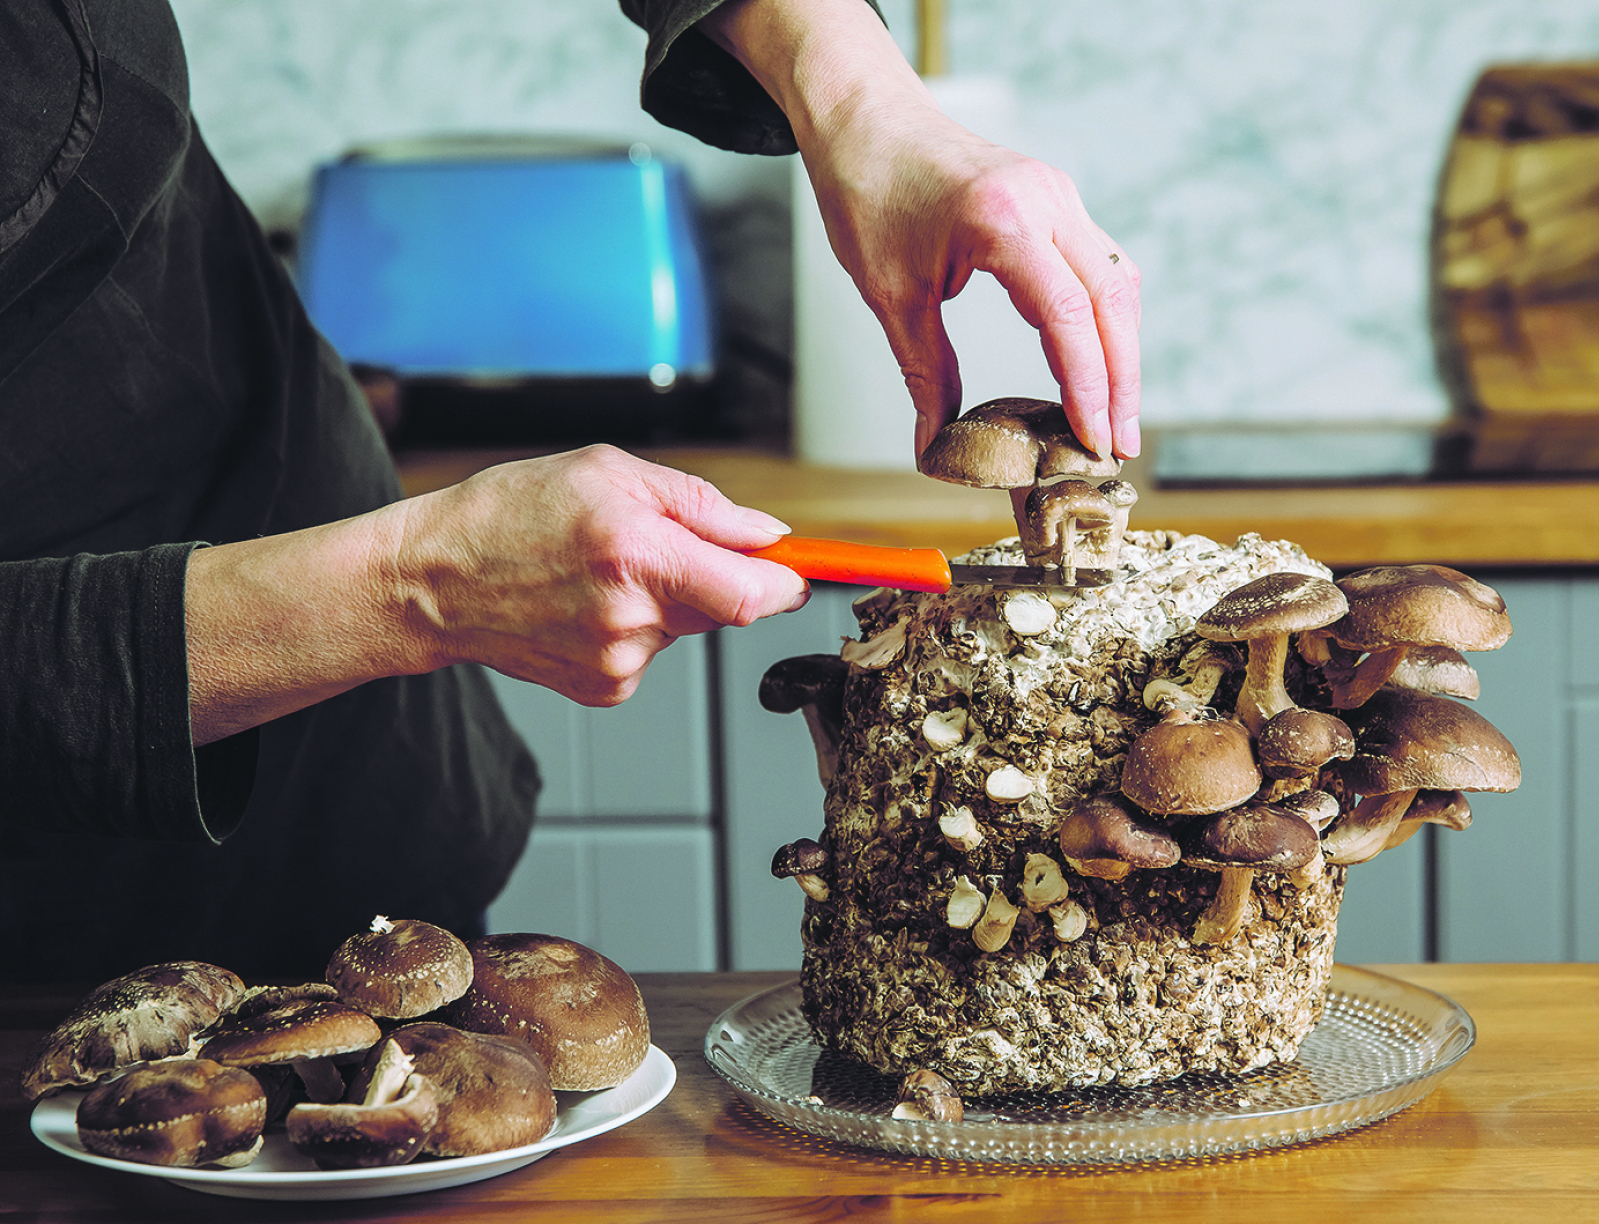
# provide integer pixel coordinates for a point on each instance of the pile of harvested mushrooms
(416, 1044)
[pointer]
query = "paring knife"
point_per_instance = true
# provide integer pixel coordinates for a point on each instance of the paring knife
(915, 569)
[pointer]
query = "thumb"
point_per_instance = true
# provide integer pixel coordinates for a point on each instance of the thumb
(702, 508)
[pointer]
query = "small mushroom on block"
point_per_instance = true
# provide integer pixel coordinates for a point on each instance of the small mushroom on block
(1263, 614)
(388, 1126)
(805, 861)
(1056, 516)
(1185, 766)
(1395, 608)
(1102, 837)
(182, 1113)
(1238, 843)
(1296, 743)
(926, 1096)
(813, 684)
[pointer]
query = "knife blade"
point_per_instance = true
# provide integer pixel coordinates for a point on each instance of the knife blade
(915, 569)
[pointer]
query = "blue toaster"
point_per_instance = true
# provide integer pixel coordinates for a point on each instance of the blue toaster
(516, 288)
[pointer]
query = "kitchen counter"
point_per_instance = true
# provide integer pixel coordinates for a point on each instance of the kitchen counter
(1511, 1134)
(1467, 524)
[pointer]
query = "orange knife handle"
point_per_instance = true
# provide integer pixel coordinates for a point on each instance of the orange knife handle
(907, 569)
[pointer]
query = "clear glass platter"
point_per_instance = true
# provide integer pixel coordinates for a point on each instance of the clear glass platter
(1381, 1045)
(280, 1172)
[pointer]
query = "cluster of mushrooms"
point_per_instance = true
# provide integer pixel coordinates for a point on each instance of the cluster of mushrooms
(415, 1044)
(1375, 747)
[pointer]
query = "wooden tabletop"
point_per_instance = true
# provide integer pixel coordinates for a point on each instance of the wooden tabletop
(1511, 1134)
(1467, 524)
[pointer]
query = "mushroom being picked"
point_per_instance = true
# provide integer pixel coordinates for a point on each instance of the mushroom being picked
(1012, 443)
(388, 1125)
(1056, 516)
(805, 862)
(579, 1011)
(181, 1113)
(814, 685)
(400, 968)
(491, 1092)
(1263, 614)
(153, 1013)
(305, 1034)
(1393, 608)
(1406, 742)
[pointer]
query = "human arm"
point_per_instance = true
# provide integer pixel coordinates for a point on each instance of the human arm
(571, 571)
(915, 204)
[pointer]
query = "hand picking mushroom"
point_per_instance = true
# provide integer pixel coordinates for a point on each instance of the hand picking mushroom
(1393, 608)
(804, 861)
(387, 1126)
(400, 968)
(153, 1013)
(1264, 613)
(183, 1113)
(579, 1011)
(813, 684)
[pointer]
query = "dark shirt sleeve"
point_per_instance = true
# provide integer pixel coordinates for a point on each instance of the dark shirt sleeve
(94, 728)
(691, 84)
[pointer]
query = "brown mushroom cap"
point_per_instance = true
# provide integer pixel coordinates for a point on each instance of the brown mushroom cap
(1316, 808)
(1296, 742)
(297, 1030)
(1186, 767)
(1102, 837)
(388, 1126)
(802, 857)
(492, 1093)
(1420, 605)
(1009, 443)
(400, 969)
(1261, 836)
(152, 1013)
(1408, 740)
(183, 1112)
(580, 1011)
(1271, 605)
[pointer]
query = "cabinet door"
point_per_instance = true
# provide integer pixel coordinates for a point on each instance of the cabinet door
(649, 756)
(643, 895)
(773, 793)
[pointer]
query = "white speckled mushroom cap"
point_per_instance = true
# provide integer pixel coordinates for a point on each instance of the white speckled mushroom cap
(400, 969)
(1010, 443)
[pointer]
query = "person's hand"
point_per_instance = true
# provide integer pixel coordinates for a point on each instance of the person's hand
(915, 204)
(574, 571)
(571, 571)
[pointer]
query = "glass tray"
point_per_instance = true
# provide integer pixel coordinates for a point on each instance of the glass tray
(1382, 1045)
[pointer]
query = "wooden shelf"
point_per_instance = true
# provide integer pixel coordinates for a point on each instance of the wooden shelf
(1482, 524)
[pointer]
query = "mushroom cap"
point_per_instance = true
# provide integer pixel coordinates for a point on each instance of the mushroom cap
(1408, 740)
(1187, 767)
(1273, 604)
(1421, 605)
(1316, 808)
(492, 1092)
(400, 969)
(1009, 443)
(814, 679)
(1261, 836)
(152, 1013)
(1295, 742)
(580, 1011)
(183, 1112)
(1103, 828)
(1437, 669)
(297, 1030)
(1075, 499)
(802, 857)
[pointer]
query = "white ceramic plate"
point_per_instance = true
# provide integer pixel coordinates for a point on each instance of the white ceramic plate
(280, 1172)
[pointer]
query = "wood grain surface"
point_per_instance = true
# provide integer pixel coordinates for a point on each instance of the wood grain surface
(1512, 1134)
(1468, 524)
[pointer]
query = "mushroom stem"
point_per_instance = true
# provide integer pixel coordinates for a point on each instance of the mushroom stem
(1370, 674)
(323, 1083)
(1363, 833)
(1263, 693)
(1224, 917)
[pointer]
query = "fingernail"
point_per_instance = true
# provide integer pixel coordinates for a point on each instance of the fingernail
(764, 521)
(803, 599)
(1132, 439)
